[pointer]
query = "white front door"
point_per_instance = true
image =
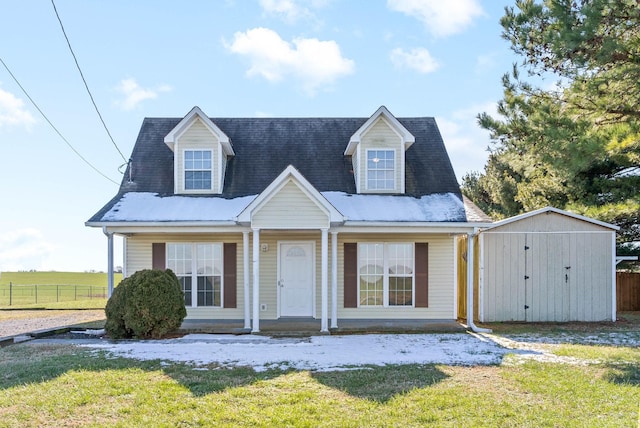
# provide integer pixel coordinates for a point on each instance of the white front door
(296, 279)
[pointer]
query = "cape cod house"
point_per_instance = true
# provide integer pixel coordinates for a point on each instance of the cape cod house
(318, 218)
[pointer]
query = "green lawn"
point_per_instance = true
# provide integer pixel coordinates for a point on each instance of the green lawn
(54, 385)
(54, 290)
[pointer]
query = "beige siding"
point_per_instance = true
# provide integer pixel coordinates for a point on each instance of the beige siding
(355, 161)
(290, 208)
(380, 136)
(441, 282)
(138, 257)
(569, 275)
(197, 137)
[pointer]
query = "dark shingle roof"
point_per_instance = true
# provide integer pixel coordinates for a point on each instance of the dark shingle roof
(264, 147)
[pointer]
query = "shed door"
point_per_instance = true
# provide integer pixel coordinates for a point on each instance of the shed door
(547, 276)
(296, 279)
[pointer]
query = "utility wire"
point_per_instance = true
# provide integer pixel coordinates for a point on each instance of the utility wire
(85, 82)
(53, 126)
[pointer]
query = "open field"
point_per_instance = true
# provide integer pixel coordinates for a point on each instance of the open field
(587, 385)
(57, 278)
(54, 290)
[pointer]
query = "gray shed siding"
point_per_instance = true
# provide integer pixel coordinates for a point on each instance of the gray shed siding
(547, 267)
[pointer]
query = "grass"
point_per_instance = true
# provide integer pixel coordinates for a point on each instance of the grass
(54, 290)
(47, 385)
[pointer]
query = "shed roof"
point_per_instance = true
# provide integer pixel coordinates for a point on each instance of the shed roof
(545, 210)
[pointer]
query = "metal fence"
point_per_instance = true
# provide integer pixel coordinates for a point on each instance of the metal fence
(18, 294)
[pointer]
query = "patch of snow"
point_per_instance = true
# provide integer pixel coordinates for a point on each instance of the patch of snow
(89, 332)
(151, 207)
(335, 353)
(143, 206)
(318, 353)
(442, 207)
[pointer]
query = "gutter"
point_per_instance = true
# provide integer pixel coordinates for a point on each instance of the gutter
(470, 266)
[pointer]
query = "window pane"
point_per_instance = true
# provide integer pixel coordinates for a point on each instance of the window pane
(371, 290)
(185, 284)
(197, 170)
(209, 271)
(371, 270)
(400, 291)
(380, 170)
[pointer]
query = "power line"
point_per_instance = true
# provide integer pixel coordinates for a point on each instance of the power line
(53, 126)
(85, 83)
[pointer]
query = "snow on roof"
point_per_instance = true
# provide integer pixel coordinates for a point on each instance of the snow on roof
(141, 206)
(442, 207)
(151, 207)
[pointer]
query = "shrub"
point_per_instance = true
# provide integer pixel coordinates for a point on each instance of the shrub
(149, 303)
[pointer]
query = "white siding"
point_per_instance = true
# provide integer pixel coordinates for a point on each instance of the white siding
(290, 208)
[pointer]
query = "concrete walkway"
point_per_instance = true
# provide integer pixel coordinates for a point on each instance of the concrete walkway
(310, 326)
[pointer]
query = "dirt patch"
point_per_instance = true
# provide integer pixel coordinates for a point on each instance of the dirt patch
(20, 322)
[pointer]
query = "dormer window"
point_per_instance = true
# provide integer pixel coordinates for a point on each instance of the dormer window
(377, 151)
(197, 169)
(201, 150)
(380, 170)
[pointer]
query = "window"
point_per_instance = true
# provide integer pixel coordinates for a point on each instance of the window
(197, 170)
(385, 272)
(199, 264)
(381, 170)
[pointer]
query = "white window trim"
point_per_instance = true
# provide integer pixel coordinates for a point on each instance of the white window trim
(194, 272)
(395, 167)
(183, 170)
(385, 276)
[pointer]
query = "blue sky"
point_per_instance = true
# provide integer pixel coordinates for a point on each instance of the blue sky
(242, 58)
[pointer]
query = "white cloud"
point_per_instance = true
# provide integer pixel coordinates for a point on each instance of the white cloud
(314, 63)
(23, 249)
(441, 17)
(418, 59)
(134, 94)
(290, 10)
(12, 111)
(466, 142)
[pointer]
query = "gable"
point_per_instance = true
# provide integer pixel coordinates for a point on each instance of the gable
(290, 202)
(377, 151)
(550, 220)
(290, 208)
(201, 151)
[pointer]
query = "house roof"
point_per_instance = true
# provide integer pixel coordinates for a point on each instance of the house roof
(264, 147)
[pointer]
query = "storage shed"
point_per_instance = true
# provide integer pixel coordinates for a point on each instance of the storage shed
(548, 265)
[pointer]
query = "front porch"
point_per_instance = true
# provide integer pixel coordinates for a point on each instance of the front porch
(310, 326)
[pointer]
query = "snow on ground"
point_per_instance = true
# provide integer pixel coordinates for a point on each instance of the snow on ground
(318, 353)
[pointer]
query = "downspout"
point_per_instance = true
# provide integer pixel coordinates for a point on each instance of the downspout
(470, 266)
(109, 261)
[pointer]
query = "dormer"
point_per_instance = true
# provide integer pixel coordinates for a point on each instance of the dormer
(377, 151)
(200, 153)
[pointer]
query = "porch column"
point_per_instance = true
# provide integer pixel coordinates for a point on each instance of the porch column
(256, 281)
(334, 279)
(324, 323)
(247, 299)
(109, 261)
